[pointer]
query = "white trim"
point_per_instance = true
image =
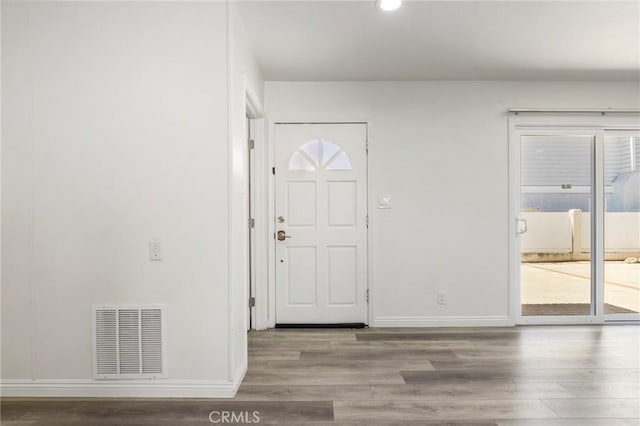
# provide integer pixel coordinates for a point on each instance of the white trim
(253, 106)
(574, 110)
(559, 320)
(51, 388)
(370, 246)
(252, 233)
(262, 216)
(271, 206)
(254, 114)
(444, 321)
(621, 318)
(240, 373)
(120, 389)
(547, 125)
(597, 230)
(513, 147)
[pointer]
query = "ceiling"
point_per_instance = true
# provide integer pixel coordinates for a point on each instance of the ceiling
(445, 40)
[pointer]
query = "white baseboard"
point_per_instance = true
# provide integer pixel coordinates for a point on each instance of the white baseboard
(120, 388)
(433, 321)
(241, 371)
(124, 389)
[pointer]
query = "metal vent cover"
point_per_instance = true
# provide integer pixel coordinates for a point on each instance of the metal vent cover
(129, 341)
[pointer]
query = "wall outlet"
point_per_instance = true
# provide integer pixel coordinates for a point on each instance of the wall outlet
(155, 250)
(442, 297)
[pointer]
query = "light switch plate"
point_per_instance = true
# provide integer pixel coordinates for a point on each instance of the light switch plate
(384, 201)
(155, 250)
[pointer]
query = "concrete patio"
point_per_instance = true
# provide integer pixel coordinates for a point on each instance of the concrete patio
(568, 283)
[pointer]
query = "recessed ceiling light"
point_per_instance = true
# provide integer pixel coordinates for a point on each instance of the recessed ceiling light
(389, 5)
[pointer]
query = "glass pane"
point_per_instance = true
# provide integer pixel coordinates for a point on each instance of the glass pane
(312, 149)
(329, 149)
(556, 196)
(341, 162)
(299, 162)
(622, 224)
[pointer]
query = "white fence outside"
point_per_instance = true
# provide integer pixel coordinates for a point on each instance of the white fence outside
(557, 233)
(621, 232)
(547, 233)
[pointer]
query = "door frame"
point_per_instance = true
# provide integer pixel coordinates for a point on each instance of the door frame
(563, 124)
(267, 303)
(251, 214)
(628, 317)
(255, 202)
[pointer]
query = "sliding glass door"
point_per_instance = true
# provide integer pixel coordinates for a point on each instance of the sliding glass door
(575, 202)
(622, 225)
(555, 222)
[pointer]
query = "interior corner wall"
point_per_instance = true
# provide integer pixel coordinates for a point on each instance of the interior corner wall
(115, 132)
(440, 150)
(244, 77)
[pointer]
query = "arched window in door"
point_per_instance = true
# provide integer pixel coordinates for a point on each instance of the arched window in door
(319, 154)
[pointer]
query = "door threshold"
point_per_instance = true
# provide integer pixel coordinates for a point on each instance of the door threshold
(338, 325)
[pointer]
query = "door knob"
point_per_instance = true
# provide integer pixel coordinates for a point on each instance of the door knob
(282, 235)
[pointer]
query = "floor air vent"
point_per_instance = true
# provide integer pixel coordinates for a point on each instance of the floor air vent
(129, 342)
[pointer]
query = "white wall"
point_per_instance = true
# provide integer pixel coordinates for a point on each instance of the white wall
(440, 149)
(245, 76)
(115, 132)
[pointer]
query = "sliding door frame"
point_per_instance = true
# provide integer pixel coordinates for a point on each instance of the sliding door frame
(622, 317)
(554, 125)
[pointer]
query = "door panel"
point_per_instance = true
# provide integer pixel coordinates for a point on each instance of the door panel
(301, 275)
(342, 203)
(301, 203)
(622, 225)
(556, 197)
(321, 208)
(343, 275)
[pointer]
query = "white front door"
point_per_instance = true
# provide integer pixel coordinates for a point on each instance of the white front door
(321, 223)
